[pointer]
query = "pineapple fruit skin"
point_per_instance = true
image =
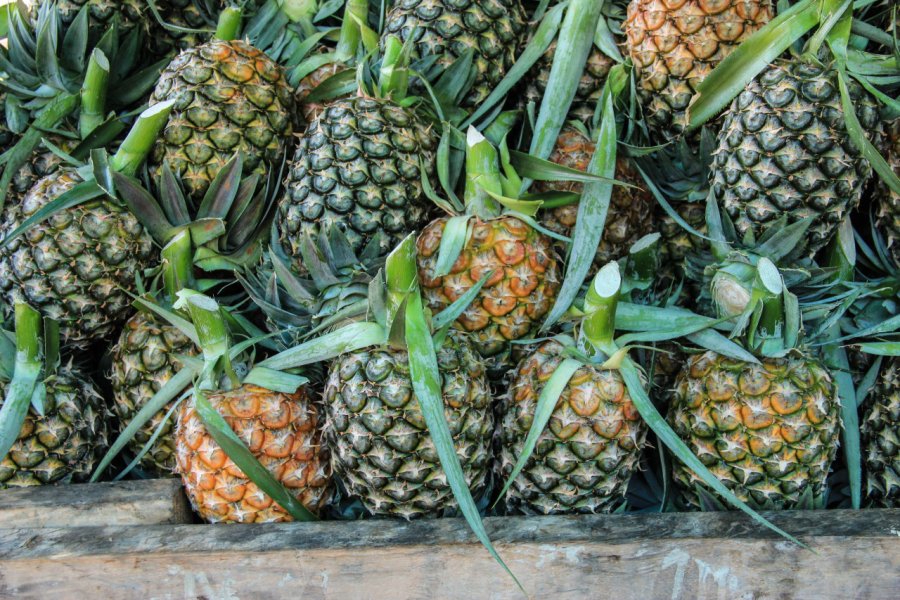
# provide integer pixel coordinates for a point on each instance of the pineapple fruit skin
(675, 44)
(279, 429)
(768, 432)
(143, 361)
(526, 279)
(448, 28)
(888, 201)
(630, 215)
(66, 443)
(584, 458)
(784, 150)
(79, 265)
(880, 432)
(229, 97)
(380, 446)
(357, 166)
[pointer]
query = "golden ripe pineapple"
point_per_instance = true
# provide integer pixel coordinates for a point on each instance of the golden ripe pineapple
(675, 44)
(586, 455)
(525, 273)
(526, 278)
(769, 432)
(279, 429)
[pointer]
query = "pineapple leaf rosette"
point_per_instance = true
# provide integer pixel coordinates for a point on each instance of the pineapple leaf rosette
(61, 84)
(868, 336)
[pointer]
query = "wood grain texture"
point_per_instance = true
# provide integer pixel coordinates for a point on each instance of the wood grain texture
(641, 557)
(148, 502)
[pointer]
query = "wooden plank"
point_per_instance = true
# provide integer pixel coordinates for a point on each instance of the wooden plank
(147, 502)
(640, 557)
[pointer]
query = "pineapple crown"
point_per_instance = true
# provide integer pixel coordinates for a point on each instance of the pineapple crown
(765, 290)
(96, 175)
(51, 72)
(223, 233)
(291, 32)
(872, 320)
(335, 293)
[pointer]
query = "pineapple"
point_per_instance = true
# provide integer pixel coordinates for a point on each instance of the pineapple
(79, 265)
(585, 457)
(359, 166)
(375, 430)
(880, 429)
(783, 150)
(512, 302)
(146, 355)
(525, 275)
(630, 215)
(63, 441)
(144, 358)
(888, 201)
(769, 431)
(492, 29)
(229, 97)
(279, 429)
(675, 44)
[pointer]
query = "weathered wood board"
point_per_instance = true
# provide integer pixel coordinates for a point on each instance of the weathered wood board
(147, 502)
(640, 557)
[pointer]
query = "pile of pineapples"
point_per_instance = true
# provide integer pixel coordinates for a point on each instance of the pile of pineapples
(326, 260)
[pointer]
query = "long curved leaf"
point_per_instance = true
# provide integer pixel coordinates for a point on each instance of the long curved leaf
(592, 211)
(354, 336)
(452, 242)
(426, 380)
(538, 44)
(576, 37)
(859, 139)
(839, 365)
(740, 67)
(456, 308)
(172, 388)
